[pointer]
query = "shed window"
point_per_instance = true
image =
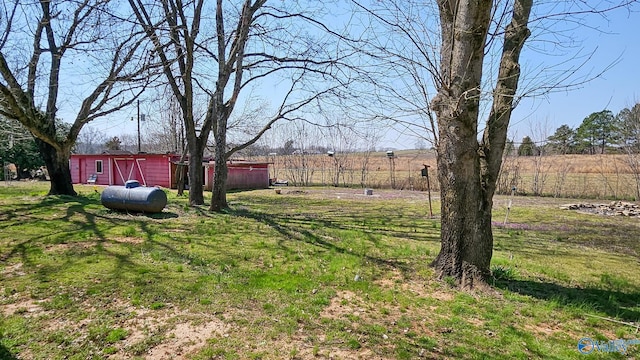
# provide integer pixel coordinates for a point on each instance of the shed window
(99, 166)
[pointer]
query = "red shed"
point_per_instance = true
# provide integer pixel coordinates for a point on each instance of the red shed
(242, 175)
(115, 168)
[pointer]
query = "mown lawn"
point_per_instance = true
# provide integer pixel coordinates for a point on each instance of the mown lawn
(308, 274)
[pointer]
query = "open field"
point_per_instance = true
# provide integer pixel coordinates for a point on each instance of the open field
(312, 273)
(606, 176)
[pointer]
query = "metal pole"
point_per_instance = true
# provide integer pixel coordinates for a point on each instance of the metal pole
(337, 172)
(393, 171)
(138, 126)
(323, 184)
(506, 216)
(390, 175)
(426, 167)
(410, 182)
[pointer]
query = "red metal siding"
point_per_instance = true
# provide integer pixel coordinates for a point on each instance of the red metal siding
(148, 169)
(243, 176)
(126, 168)
(84, 166)
(74, 165)
(156, 170)
(248, 178)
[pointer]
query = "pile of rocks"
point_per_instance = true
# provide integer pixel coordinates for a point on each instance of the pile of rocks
(614, 208)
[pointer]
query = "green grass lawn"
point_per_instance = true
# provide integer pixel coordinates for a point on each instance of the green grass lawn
(311, 273)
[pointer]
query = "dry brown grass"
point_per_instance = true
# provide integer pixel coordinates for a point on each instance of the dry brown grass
(579, 164)
(596, 176)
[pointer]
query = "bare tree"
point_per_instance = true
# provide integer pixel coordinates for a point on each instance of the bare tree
(128, 142)
(301, 164)
(41, 74)
(632, 160)
(563, 169)
(509, 175)
(174, 28)
(345, 142)
(468, 70)
(19, 154)
(303, 62)
(165, 131)
(629, 122)
(90, 141)
(404, 67)
(468, 169)
(540, 169)
(369, 141)
(249, 42)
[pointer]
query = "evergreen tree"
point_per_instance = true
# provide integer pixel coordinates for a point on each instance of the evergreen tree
(114, 144)
(596, 131)
(628, 121)
(527, 147)
(563, 141)
(18, 147)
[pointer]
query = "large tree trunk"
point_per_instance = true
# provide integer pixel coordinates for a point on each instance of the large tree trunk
(466, 241)
(468, 170)
(196, 178)
(219, 189)
(179, 175)
(57, 163)
(494, 138)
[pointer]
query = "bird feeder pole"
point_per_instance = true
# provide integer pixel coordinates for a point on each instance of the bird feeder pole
(506, 216)
(426, 172)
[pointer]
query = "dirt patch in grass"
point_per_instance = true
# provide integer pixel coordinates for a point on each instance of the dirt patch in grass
(416, 287)
(127, 240)
(343, 304)
(76, 246)
(180, 332)
(335, 353)
(13, 270)
(187, 336)
(84, 245)
(298, 346)
(24, 307)
(543, 328)
(476, 322)
(424, 291)
(342, 193)
(168, 333)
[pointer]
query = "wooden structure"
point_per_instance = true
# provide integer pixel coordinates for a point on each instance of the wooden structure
(242, 175)
(117, 167)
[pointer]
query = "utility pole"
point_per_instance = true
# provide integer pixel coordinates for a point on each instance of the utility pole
(138, 126)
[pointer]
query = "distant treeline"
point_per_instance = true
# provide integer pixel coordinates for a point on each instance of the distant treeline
(599, 133)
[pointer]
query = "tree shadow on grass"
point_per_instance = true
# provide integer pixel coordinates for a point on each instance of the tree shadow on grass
(30, 211)
(384, 222)
(157, 216)
(5, 354)
(35, 213)
(305, 235)
(614, 303)
(79, 212)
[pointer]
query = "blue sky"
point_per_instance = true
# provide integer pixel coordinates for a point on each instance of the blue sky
(613, 39)
(614, 45)
(617, 88)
